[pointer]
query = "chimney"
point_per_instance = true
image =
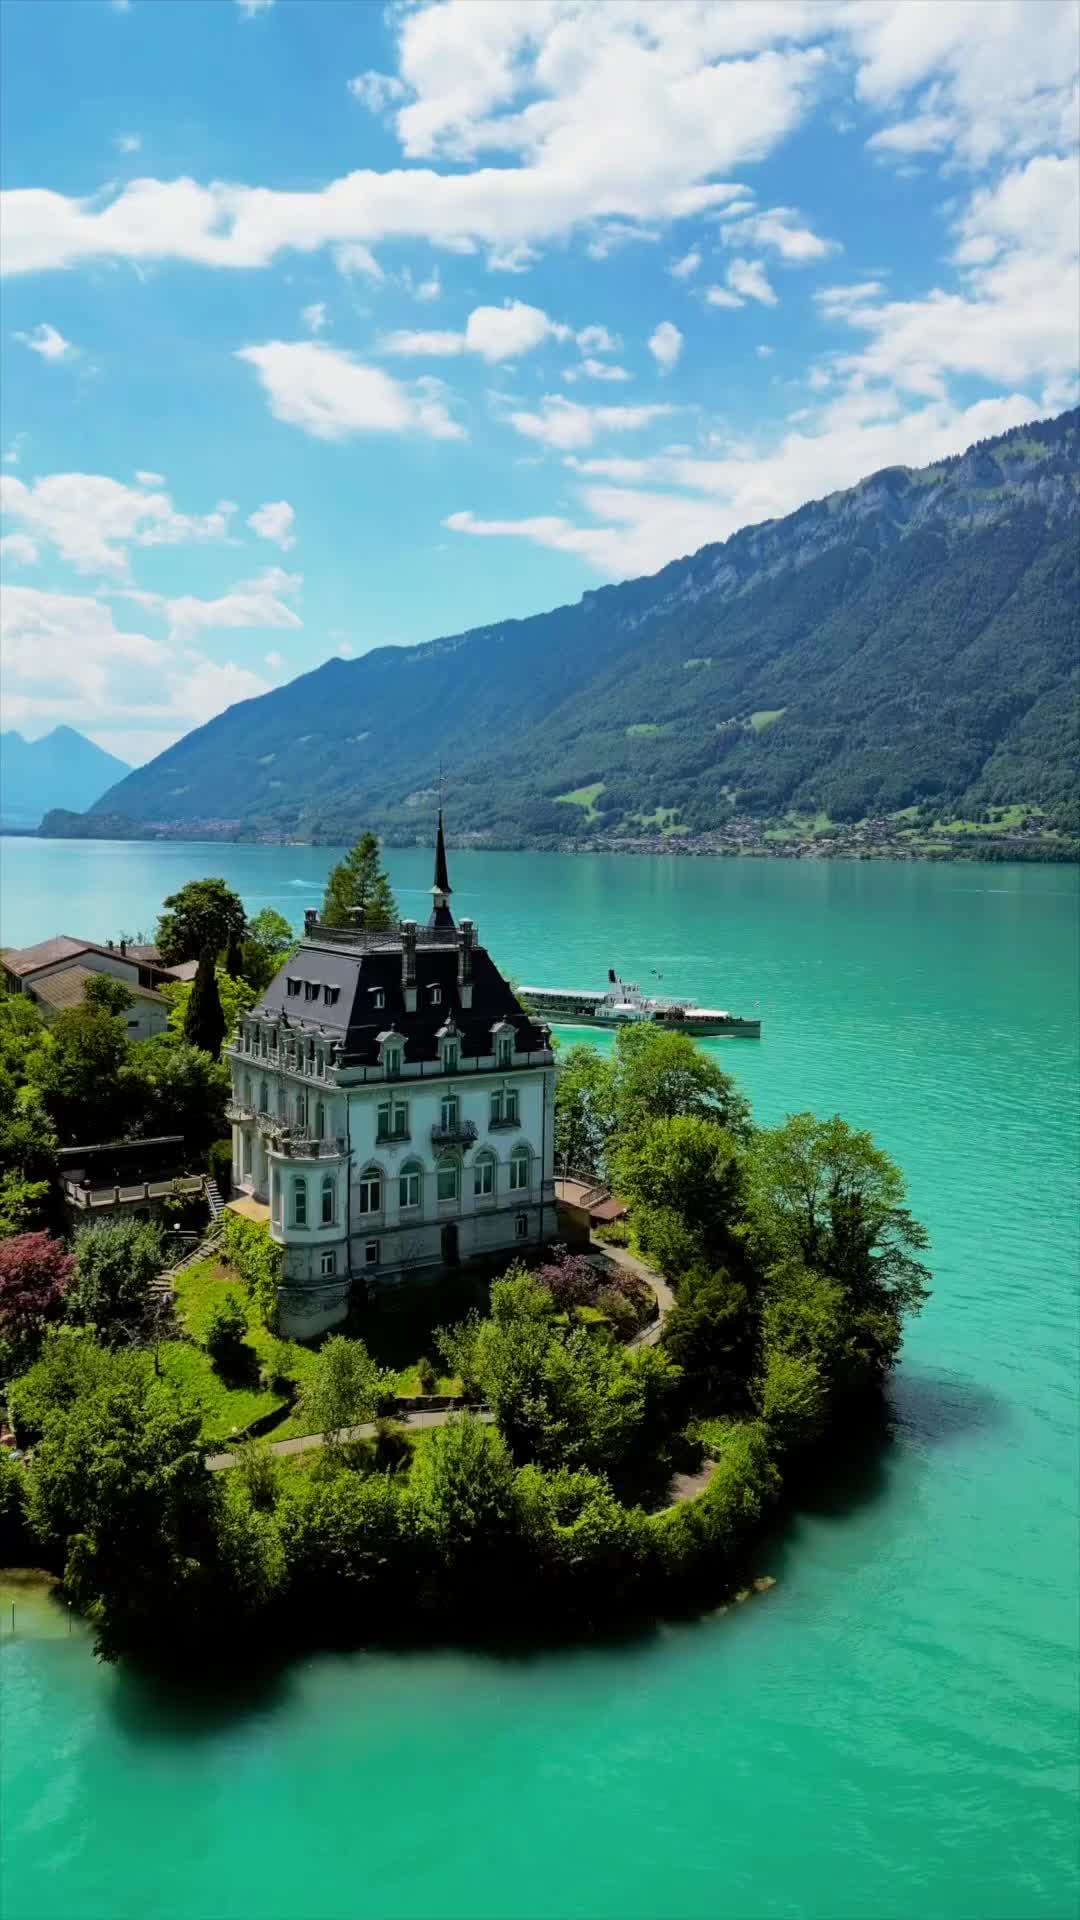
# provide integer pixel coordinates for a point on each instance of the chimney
(109, 944)
(123, 949)
(311, 918)
(408, 964)
(356, 918)
(466, 942)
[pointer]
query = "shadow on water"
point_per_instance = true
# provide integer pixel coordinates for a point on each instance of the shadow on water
(939, 1409)
(850, 1475)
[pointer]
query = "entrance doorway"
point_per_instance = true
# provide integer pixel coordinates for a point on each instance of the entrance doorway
(450, 1255)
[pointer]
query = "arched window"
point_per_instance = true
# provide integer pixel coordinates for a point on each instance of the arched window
(410, 1186)
(485, 1179)
(520, 1162)
(320, 1120)
(369, 1191)
(448, 1180)
(328, 1200)
(299, 1201)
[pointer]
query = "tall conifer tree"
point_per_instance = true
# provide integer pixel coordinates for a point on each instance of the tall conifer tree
(360, 881)
(204, 1022)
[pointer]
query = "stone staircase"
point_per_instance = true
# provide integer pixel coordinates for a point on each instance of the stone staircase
(213, 1199)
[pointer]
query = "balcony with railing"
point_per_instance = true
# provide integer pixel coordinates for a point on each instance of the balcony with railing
(238, 1110)
(453, 1133)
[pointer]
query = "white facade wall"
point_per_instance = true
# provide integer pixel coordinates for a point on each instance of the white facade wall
(355, 1166)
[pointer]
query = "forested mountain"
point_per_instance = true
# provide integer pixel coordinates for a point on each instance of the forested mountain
(911, 640)
(63, 769)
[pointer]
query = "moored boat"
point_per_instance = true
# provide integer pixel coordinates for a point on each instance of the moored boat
(623, 1003)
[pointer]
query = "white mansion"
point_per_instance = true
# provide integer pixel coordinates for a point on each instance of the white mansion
(393, 1108)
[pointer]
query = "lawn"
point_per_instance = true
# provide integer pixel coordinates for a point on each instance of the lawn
(584, 797)
(765, 717)
(227, 1408)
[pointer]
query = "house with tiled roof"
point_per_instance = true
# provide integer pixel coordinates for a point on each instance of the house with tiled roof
(53, 973)
(393, 1110)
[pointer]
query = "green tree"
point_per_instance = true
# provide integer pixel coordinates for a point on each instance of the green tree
(204, 1021)
(266, 946)
(174, 1087)
(685, 1183)
(342, 1389)
(661, 1075)
(825, 1199)
(119, 1488)
(107, 994)
(116, 1263)
(235, 996)
(226, 1336)
(584, 1109)
(711, 1334)
(463, 1492)
(360, 881)
(24, 1204)
(78, 1076)
(204, 913)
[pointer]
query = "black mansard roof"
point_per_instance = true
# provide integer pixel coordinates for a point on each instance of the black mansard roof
(359, 967)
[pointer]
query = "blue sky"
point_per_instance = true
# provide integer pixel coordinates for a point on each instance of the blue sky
(327, 327)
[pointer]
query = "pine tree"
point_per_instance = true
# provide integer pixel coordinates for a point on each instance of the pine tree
(360, 881)
(204, 1022)
(234, 958)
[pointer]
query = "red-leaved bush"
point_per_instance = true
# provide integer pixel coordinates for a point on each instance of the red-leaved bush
(34, 1274)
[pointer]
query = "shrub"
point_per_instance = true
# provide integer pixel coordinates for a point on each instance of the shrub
(70, 1366)
(35, 1273)
(226, 1333)
(259, 1473)
(115, 1264)
(617, 1234)
(248, 1247)
(219, 1164)
(16, 1541)
(426, 1374)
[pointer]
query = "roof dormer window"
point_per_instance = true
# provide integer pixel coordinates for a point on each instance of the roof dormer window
(378, 997)
(292, 983)
(330, 995)
(436, 995)
(311, 989)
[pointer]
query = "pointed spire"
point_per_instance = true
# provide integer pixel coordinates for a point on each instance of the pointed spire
(441, 915)
(442, 879)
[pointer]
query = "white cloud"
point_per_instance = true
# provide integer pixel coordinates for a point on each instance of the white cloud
(426, 343)
(564, 424)
(764, 353)
(589, 369)
(665, 345)
(777, 231)
(314, 316)
(429, 289)
(275, 660)
(249, 8)
(620, 117)
(92, 521)
(128, 142)
(839, 299)
(274, 522)
(351, 256)
(47, 342)
(147, 479)
(925, 133)
(748, 277)
(346, 649)
(332, 396)
(670, 504)
(597, 340)
(66, 660)
(495, 333)
(376, 91)
(251, 603)
(20, 549)
(687, 265)
(722, 297)
(517, 258)
(1016, 320)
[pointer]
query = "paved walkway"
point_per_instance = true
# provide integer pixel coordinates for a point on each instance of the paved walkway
(436, 1417)
(647, 1337)
(665, 1299)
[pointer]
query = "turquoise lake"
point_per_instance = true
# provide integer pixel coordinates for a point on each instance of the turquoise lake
(891, 1731)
